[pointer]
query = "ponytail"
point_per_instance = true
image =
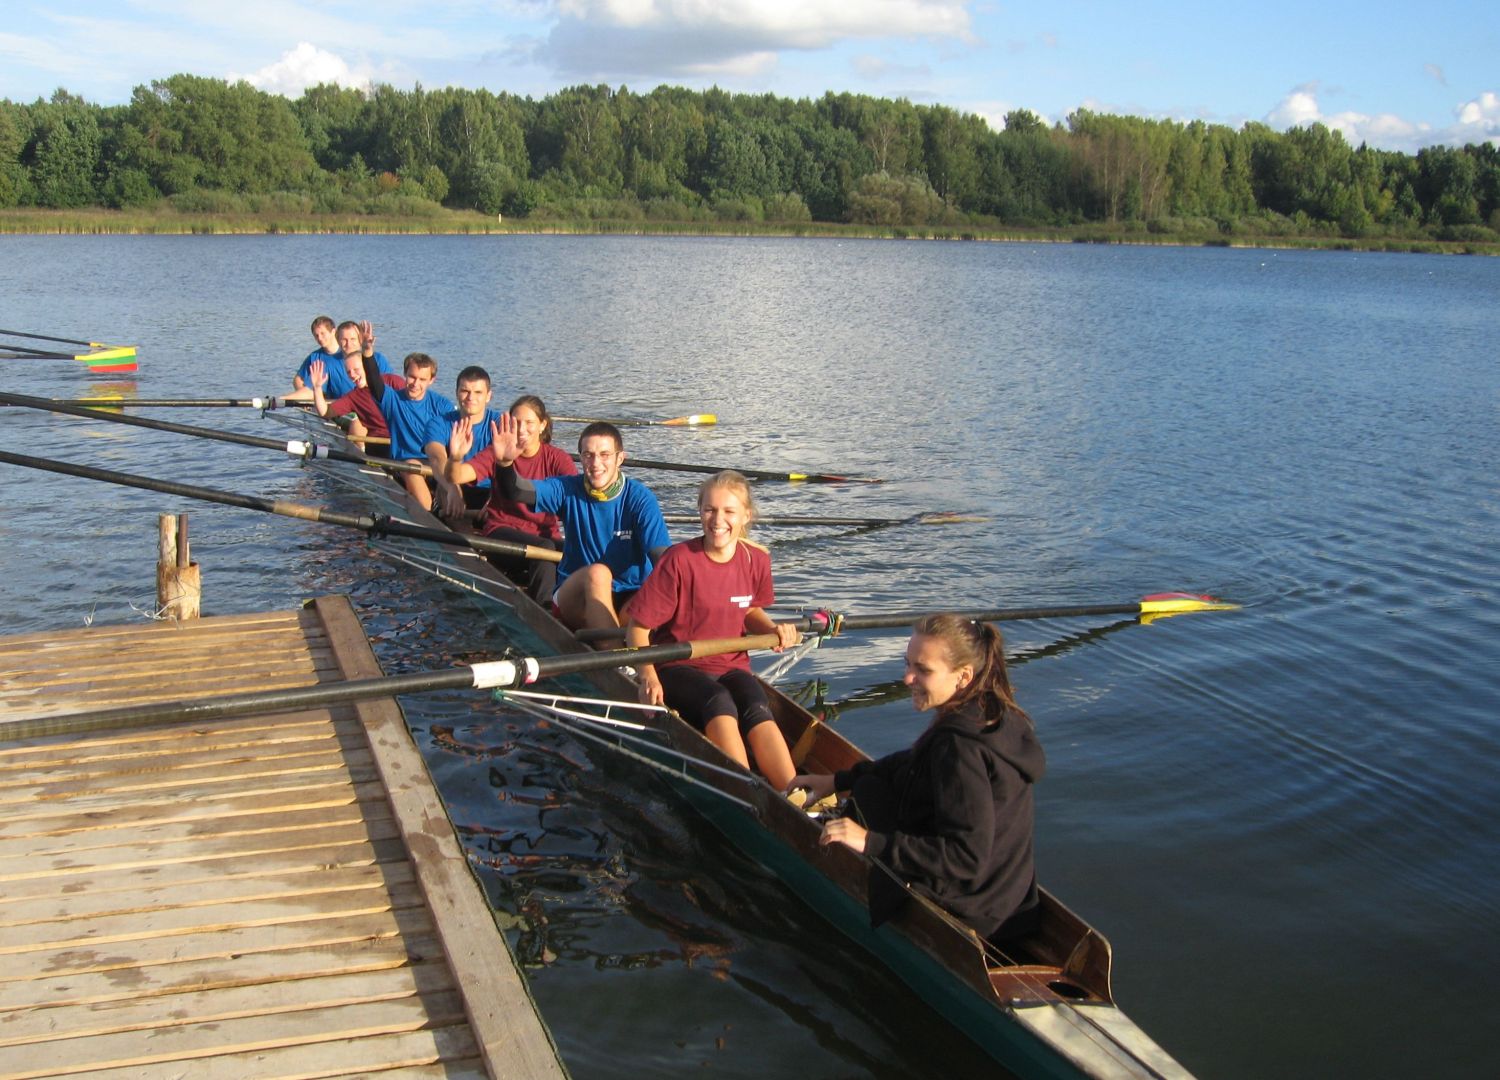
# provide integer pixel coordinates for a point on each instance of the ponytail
(979, 646)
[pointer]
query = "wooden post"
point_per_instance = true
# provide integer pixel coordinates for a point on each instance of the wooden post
(179, 589)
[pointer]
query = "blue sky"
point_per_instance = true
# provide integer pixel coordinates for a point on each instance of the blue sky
(1397, 75)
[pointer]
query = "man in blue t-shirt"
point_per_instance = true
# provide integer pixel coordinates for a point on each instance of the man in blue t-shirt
(473, 392)
(350, 339)
(613, 526)
(409, 414)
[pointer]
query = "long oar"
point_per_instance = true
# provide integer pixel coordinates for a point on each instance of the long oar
(481, 676)
(377, 525)
(941, 517)
(755, 474)
(696, 420)
(49, 337)
(1155, 606)
(295, 447)
(116, 402)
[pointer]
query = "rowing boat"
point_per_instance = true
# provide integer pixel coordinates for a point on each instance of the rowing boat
(1041, 1006)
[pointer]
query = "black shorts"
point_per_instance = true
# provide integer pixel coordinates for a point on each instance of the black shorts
(699, 697)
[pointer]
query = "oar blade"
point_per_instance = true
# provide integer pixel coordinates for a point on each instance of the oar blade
(696, 420)
(1165, 605)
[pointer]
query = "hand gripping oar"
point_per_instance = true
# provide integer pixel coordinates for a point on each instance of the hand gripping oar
(755, 474)
(1155, 606)
(696, 420)
(483, 676)
(296, 447)
(376, 525)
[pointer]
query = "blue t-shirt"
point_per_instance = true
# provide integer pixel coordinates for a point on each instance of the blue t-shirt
(442, 428)
(619, 532)
(338, 383)
(412, 421)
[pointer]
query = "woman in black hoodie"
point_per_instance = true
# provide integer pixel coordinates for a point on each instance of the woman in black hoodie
(952, 816)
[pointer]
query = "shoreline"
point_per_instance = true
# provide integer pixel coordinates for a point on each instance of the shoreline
(101, 222)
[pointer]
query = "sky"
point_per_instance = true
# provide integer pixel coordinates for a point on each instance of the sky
(1395, 75)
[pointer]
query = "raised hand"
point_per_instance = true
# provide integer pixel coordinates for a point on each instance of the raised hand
(367, 335)
(506, 444)
(317, 371)
(461, 439)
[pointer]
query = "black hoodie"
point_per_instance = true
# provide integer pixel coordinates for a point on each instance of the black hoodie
(963, 816)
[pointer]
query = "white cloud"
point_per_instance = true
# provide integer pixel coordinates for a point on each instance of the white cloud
(306, 65)
(1477, 121)
(595, 38)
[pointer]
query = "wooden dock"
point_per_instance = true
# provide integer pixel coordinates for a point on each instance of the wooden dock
(279, 895)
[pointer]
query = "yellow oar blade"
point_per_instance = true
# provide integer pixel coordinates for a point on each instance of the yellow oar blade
(696, 420)
(1165, 605)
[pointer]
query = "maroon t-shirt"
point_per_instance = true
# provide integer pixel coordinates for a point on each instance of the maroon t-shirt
(361, 403)
(502, 513)
(689, 597)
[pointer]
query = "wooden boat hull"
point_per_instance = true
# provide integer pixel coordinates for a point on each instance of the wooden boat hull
(1043, 1010)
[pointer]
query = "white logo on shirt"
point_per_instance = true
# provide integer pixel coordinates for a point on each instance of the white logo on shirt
(741, 601)
(623, 534)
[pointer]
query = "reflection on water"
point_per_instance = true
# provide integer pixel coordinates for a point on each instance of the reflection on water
(1265, 810)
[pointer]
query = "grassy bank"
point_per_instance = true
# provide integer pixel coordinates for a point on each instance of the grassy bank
(94, 222)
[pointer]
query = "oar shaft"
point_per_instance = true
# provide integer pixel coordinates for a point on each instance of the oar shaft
(495, 673)
(176, 403)
(108, 415)
(47, 337)
(379, 526)
(751, 474)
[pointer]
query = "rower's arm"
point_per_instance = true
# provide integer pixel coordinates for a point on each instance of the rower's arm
(374, 379)
(513, 486)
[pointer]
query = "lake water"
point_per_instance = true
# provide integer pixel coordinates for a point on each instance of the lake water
(1283, 817)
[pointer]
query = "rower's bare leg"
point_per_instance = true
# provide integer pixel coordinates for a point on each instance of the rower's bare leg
(416, 487)
(772, 757)
(724, 732)
(587, 599)
(357, 433)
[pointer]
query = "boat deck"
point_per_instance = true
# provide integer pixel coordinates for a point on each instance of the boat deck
(278, 895)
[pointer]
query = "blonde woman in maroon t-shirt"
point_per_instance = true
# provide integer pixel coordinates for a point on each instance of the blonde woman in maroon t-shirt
(715, 586)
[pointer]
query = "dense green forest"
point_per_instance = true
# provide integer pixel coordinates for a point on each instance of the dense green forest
(198, 145)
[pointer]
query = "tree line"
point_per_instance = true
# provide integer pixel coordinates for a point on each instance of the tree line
(593, 152)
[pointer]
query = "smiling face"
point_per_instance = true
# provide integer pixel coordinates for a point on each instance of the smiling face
(418, 379)
(354, 366)
(601, 458)
(327, 340)
(473, 397)
(931, 675)
(725, 517)
(529, 427)
(350, 341)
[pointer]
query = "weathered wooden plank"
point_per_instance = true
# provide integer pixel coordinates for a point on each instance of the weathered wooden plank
(309, 797)
(501, 1011)
(95, 674)
(334, 990)
(363, 1057)
(121, 655)
(194, 783)
(219, 625)
(223, 945)
(189, 1042)
(241, 786)
(118, 931)
(168, 979)
(35, 703)
(162, 760)
(57, 906)
(65, 749)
